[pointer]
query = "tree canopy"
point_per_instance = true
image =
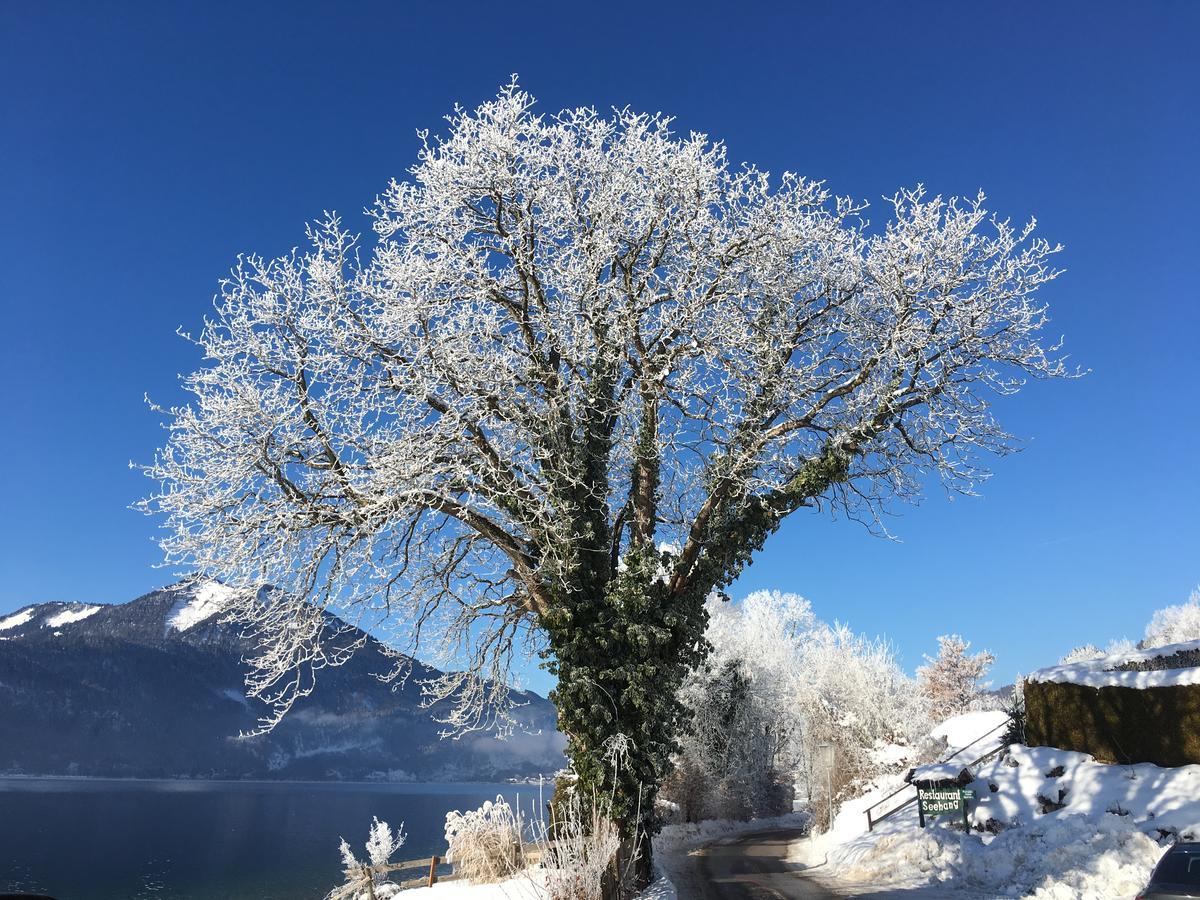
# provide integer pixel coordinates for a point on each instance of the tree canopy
(584, 368)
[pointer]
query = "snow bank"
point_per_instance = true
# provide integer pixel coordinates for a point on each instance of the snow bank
(1111, 829)
(963, 730)
(1075, 857)
(208, 600)
(71, 615)
(16, 619)
(1100, 672)
(520, 887)
(693, 834)
(661, 888)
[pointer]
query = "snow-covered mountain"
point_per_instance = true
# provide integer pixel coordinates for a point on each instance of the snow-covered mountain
(154, 688)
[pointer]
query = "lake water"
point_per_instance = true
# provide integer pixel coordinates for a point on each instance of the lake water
(83, 839)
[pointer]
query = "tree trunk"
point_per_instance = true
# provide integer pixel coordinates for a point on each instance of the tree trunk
(621, 654)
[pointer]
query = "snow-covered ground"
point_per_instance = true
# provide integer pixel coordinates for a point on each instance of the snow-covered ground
(521, 887)
(1111, 829)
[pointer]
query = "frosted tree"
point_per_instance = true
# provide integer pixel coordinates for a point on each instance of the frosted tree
(583, 371)
(1174, 624)
(778, 685)
(367, 879)
(1082, 653)
(951, 680)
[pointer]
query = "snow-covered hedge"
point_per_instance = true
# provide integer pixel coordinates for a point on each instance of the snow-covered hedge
(1166, 666)
(1139, 706)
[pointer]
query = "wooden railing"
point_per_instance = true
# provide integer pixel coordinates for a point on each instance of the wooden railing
(873, 820)
(430, 865)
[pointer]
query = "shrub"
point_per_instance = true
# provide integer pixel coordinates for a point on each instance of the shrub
(485, 844)
(368, 879)
(578, 851)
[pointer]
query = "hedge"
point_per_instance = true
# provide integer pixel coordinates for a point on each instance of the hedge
(1158, 725)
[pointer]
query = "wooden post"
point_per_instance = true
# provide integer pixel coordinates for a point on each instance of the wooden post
(433, 864)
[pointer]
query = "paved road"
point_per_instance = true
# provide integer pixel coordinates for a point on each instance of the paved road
(752, 867)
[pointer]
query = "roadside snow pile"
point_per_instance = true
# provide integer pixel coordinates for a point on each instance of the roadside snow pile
(1047, 823)
(208, 600)
(1168, 666)
(691, 834)
(1074, 857)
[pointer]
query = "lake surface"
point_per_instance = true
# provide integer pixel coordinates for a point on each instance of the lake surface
(84, 839)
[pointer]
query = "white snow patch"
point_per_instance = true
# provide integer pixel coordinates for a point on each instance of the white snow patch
(1098, 672)
(962, 730)
(521, 887)
(207, 601)
(71, 615)
(16, 619)
(1103, 843)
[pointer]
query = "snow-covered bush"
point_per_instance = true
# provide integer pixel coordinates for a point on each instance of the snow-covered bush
(1174, 624)
(950, 682)
(779, 686)
(728, 768)
(485, 844)
(368, 880)
(577, 850)
(1082, 653)
(856, 700)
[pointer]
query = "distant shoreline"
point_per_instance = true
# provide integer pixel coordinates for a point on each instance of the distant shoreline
(531, 782)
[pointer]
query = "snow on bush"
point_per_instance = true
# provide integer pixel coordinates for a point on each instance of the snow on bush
(576, 851)
(485, 844)
(1174, 624)
(367, 880)
(779, 685)
(1083, 653)
(950, 682)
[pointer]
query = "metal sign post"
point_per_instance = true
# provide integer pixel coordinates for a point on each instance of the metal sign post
(826, 758)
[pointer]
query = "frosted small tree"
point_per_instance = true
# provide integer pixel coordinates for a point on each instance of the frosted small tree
(367, 880)
(1174, 624)
(778, 685)
(1082, 653)
(583, 372)
(951, 680)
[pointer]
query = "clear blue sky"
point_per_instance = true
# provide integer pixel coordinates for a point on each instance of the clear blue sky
(144, 145)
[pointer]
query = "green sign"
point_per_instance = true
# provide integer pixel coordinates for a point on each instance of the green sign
(940, 801)
(943, 801)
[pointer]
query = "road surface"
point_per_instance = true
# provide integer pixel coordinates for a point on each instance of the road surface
(752, 867)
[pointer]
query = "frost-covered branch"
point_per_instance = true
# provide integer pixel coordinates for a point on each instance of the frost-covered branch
(573, 336)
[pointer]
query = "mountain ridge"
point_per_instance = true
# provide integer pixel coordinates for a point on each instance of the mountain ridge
(154, 688)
